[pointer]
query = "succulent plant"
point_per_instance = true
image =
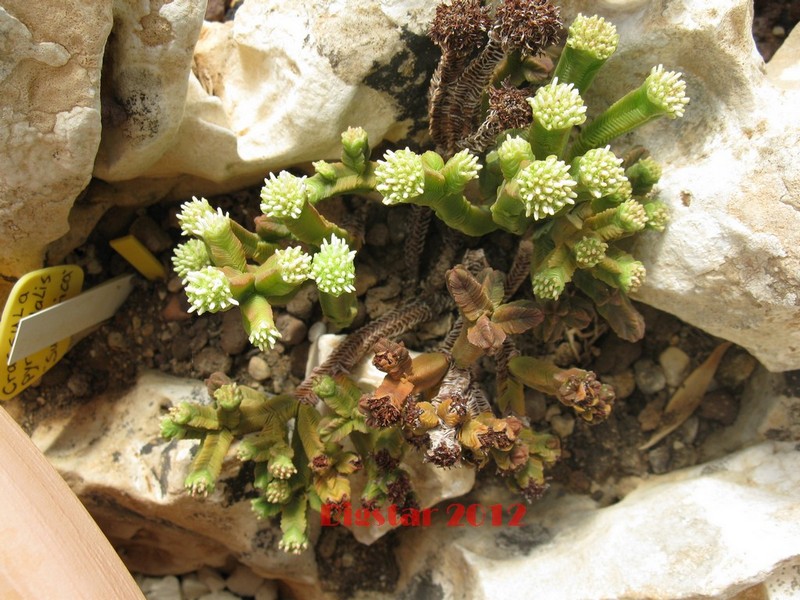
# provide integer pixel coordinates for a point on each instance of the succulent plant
(513, 154)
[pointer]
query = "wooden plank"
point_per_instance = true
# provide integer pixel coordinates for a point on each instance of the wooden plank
(49, 545)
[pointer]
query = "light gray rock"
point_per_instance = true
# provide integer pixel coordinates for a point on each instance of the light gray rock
(131, 481)
(729, 261)
(50, 62)
(679, 535)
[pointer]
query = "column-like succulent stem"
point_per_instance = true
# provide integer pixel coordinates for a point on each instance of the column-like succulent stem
(255, 247)
(269, 229)
(207, 464)
(620, 270)
(294, 525)
(590, 42)
(333, 270)
(223, 246)
(259, 323)
(195, 416)
(550, 276)
(657, 215)
(286, 198)
(282, 272)
(618, 222)
(557, 108)
(513, 154)
(463, 352)
(662, 94)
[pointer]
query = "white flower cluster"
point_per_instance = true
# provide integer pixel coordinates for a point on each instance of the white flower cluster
(558, 106)
(294, 264)
(600, 172)
(188, 257)
(667, 90)
(333, 268)
(400, 176)
(545, 187)
(208, 290)
(284, 196)
(593, 35)
(191, 213)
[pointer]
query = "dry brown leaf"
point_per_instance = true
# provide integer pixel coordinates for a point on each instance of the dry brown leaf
(688, 397)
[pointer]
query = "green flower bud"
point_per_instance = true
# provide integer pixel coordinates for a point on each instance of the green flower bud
(589, 251)
(545, 187)
(512, 153)
(208, 290)
(619, 269)
(333, 268)
(643, 175)
(355, 149)
(462, 168)
(259, 323)
(549, 284)
(191, 212)
(325, 170)
(283, 197)
(190, 256)
(280, 462)
(228, 396)
(278, 491)
(657, 215)
(400, 176)
(632, 215)
(598, 172)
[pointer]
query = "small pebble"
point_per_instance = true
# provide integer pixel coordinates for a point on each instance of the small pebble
(377, 235)
(233, 338)
(177, 309)
(180, 347)
(649, 376)
(366, 278)
(192, 588)
(735, 368)
(535, 405)
(779, 31)
(719, 406)
(650, 417)
(161, 588)
(675, 364)
(616, 355)
(221, 595)
(303, 303)
(624, 383)
(316, 330)
(552, 411)
(243, 581)
(174, 285)
(258, 368)
(151, 235)
(293, 330)
(116, 341)
(659, 459)
(79, 384)
(211, 359)
(267, 591)
(563, 425)
(211, 578)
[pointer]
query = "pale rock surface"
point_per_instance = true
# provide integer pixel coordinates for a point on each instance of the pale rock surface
(131, 481)
(680, 535)
(729, 261)
(50, 61)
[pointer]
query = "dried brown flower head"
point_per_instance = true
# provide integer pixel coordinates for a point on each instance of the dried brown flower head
(527, 25)
(510, 107)
(590, 398)
(460, 26)
(379, 410)
(391, 358)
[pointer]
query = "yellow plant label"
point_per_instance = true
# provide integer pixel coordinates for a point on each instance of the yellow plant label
(33, 292)
(140, 257)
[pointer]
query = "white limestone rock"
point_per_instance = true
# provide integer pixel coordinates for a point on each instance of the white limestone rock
(729, 261)
(681, 535)
(50, 62)
(130, 479)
